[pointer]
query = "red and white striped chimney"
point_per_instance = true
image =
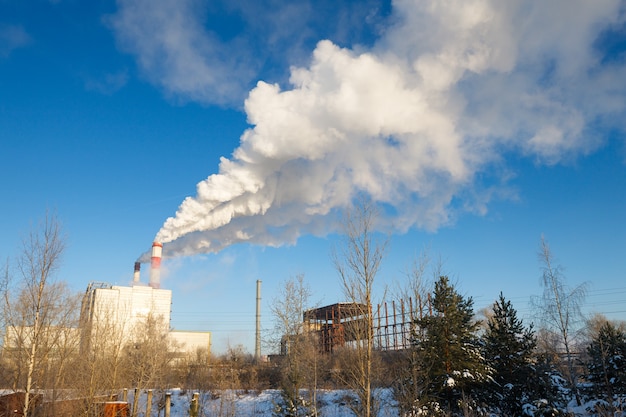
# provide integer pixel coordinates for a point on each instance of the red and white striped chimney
(155, 265)
(137, 272)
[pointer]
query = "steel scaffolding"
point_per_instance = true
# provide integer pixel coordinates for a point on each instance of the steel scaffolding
(345, 324)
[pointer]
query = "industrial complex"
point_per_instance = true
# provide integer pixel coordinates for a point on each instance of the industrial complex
(120, 311)
(124, 308)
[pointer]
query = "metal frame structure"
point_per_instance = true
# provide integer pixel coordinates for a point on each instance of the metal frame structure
(337, 325)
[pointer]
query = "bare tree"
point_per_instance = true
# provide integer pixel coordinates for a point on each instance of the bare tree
(99, 368)
(192, 369)
(358, 263)
(38, 306)
(414, 286)
(594, 323)
(227, 375)
(409, 365)
(418, 283)
(297, 347)
(146, 355)
(560, 310)
(62, 347)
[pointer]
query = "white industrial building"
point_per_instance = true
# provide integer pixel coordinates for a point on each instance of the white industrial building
(123, 309)
(113, 314)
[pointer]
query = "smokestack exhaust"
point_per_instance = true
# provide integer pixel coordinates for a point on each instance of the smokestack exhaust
(155, 265)
(257, 344)
(136, 275)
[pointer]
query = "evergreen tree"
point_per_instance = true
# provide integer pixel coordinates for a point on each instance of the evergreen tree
(510, 352)
(549, 392)
(449, 352)
(607, 363)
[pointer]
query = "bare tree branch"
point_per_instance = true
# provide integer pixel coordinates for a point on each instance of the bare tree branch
(560, 309)
(358, 264)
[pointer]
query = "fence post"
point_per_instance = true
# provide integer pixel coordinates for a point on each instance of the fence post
(135, 403)
(149, 403)
(194, 406)
(125, 395)
(168, 403)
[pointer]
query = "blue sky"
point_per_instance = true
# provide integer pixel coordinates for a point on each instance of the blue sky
(478, 126)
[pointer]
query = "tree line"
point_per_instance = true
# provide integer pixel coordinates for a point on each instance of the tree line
(456, 364)
(61, 364)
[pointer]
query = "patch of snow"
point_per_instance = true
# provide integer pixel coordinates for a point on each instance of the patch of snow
(331, 403)
(467, 374)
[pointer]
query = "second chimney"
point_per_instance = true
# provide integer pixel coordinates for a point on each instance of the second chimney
(137, 272)
(155, 265)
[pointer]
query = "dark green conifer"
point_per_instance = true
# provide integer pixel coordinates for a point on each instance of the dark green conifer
(523, 381)
(606, 365)
(510, 352)
(449, 351)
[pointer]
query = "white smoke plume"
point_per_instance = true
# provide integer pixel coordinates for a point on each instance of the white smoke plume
(416, 122)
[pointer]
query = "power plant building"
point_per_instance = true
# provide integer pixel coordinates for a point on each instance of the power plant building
(119, 312)
(125, 308)
(122, 310)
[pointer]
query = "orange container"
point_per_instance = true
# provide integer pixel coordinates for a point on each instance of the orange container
(116, 409)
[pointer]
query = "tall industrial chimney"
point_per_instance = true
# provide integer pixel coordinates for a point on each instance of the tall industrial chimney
(257, 344)
(155, 265)
(137, 272)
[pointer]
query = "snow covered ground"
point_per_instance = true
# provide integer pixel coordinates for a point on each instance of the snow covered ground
(332, 403)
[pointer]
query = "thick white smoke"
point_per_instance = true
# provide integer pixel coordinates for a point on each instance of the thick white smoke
(442, 97)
